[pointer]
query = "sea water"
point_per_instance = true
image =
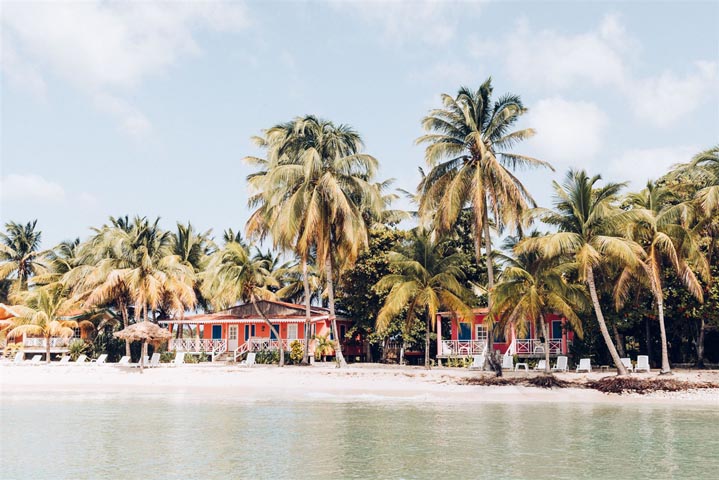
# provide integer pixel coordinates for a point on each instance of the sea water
(186, 436)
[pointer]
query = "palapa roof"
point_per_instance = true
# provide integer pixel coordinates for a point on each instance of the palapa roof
(144, 331)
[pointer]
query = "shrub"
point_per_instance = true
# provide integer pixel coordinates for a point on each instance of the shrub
(76, 348)
(296, 351)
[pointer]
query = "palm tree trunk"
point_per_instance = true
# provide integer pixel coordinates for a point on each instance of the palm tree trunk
(47, 349)
(143, 352)
(125, 324)
(331, 299)
(253, 300)
(546, 344)
(490, 286)
(699, 342)
(666, 369)
(426, 343)
(621, 370)
(308, 316)
(618, 339)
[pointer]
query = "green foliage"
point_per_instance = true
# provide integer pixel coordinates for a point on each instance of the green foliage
(296, 351)
(271, 357)
(78, 347)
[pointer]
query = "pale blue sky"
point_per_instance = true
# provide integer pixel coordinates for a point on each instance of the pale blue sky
(115, 108)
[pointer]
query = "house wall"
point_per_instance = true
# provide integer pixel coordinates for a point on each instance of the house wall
(261, 330)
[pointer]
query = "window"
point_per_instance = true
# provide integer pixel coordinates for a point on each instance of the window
(343, 331)
(76, 333)
(232, 333)
(481, 332)
(291, 331)
(557, 329)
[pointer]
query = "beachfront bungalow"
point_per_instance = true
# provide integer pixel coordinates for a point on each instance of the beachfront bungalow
(33, 345)
(470, 337)
(230, 333)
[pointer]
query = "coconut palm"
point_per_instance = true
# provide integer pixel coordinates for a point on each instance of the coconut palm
(314, 193)
(233, 275)
(20, 254)
(468, 150)
(657, 227)
(706, 167)
(428, 278)
(588, 221)
(45, 313)
(530, 287)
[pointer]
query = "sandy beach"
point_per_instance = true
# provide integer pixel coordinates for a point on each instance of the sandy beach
(327, 383)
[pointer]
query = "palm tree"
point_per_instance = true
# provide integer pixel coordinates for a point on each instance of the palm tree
(428, 278)
(468, 149)
(20, 254)
(706, 167)
(193, 250)
(234, 275)
(658, 229)
(314, 193)
(45, 313)
(530, 287)
(588, 219)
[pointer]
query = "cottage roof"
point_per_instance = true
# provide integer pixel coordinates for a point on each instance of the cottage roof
(275, 311)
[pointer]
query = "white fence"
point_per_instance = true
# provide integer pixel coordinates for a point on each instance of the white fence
(462, 347)
(532, 346)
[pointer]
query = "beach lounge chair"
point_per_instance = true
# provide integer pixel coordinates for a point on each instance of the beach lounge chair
(36, 360)
(64, 360)
(541, 365)
(642, 364)
(179, 358)
(81, 359)
(561, 365)
(19, 357)
(125, 360)
(585, 365)
(101, 360)
(477, 362)
(507, 362)
(154, 360)
(627, 362)
(249, 361)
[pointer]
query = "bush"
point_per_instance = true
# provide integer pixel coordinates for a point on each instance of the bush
(77, 347)
(12, 348)
(296, 351)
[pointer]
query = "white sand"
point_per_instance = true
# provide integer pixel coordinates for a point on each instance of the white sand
(324, 383)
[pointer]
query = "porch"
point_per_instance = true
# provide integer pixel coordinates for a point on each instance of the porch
(198, 346)
(461, 348)
(39, 344)
(532, 347)
(257, 344)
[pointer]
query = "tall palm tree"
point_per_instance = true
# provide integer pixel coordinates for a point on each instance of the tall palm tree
(530, 287)
(468, 149)
(428, 278)
(45, 313)
(588, 221)
(314, 193)
(706, 166)
(234, 275)
(20, 254)
(657, 227)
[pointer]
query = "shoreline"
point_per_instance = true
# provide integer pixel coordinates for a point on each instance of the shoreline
(324, 383)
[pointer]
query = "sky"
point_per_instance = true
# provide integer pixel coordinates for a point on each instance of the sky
(113, 108)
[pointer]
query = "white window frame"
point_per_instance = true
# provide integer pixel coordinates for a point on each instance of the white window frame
(480, 332)
(232, 332)
(292, 331)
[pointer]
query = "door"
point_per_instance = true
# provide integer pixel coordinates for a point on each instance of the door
(291, 331)
(272, 332)
(217, 332)
(232, 337)
(465, 331)
(556, 329)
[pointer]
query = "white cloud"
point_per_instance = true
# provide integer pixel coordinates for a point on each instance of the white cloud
(601, 57)
(431, 22)
(106, 48)
(641, 164)
(567, 132)
(132, 121)
(30, 187)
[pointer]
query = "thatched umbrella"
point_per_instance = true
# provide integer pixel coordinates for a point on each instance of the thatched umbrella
(144, 332)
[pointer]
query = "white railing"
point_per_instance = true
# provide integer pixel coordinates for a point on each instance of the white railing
(55, 342)
(256, 344)
(462, 347)
(197, 345)
(532, 346)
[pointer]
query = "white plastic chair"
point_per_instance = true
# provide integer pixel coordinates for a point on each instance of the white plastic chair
(249, 361)
(64, 360)
(154, 360)
(507, 362)
(179, 358)
(100, 360)
(585, 365)
(477, 362)
(125, 360)
(627, 362)
(642, 364)
(19, 357)
(561, 365)
(541, 365)
(81, 359)
(36, 360)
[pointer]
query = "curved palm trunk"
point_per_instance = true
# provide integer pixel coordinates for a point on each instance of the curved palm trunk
(125, 324)
(253, 300)
(621, 370)
(666, 369)
(546, 344)
(306, 284)
(47, 349)
(490, 286)
(331, 299)
(143, 353)
(426, 344)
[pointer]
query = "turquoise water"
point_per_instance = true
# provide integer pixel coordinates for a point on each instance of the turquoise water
(187, 437)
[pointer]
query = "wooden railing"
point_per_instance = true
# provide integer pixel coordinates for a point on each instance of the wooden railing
(256, 344)
(462, 347)
(55, 342)
(536, 346)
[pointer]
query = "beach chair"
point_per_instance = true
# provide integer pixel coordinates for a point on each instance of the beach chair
(585, 365)
(19, 357)
(179, 358)
(125, 360)
(507, 362)
(541, 365)
(477, 362)
(154, 360)
(627, 362)
(36, 360)
(249, 361)
(81, 359)
(561, 365)
(642, 364)
(101, 360)
(64, 360)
